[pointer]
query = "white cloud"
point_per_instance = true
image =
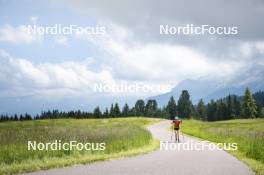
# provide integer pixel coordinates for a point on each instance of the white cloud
(20, 77)
(157, 62)
(61, 40)
(34, 19)
(144, 17)
(251, 52)
(246, 50)
(17, 34)
(260, 46)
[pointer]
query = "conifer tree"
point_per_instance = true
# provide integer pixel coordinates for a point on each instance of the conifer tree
(249, 105)
(201, 110)
(172, 108)
(184, 105)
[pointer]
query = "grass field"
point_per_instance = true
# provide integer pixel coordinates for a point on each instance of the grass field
(248, 133)
(123, 137)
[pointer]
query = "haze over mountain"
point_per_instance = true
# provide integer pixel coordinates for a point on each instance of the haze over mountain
(210, 87)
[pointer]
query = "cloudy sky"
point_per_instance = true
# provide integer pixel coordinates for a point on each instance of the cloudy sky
(40, 72)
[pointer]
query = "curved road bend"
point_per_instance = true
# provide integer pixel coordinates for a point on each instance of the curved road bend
(162, 162)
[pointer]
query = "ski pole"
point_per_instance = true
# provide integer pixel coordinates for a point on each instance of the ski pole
(171, 132)
(182, 135)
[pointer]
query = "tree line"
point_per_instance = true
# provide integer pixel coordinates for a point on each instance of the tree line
(230, 107)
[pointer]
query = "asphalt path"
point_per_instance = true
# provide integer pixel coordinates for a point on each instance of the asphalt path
(173, 158)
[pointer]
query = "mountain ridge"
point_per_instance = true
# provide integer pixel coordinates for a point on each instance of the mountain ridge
(208, 88)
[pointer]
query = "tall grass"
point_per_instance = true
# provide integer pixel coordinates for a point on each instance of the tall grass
(120, 135)
(248, 133)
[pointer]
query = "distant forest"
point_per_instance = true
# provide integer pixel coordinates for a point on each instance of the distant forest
(230, 107)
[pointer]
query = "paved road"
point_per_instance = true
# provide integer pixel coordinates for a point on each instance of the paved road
(162, 162)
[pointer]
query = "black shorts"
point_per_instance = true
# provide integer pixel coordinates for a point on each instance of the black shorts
(176, 129)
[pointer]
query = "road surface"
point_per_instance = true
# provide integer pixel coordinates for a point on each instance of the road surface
(163, 162)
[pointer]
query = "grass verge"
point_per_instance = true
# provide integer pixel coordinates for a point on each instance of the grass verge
(247, 133)
(123, 137)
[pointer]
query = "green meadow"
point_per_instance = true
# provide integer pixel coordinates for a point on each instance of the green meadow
(248, 133)
(122, 136)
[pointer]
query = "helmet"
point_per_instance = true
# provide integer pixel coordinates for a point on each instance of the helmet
(176, 118)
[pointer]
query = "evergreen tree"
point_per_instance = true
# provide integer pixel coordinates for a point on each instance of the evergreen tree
(97, 112)
(185, 105)
(164, 112)
(171, 108)
(132, 111)
(140, 108)
(237, 107)
(106, 113)
(201, 110)
(28, 117)
(151, 108)
(21, 117)
(37, 117)
(16, 117)
(221, 111)
(211, 110)
(230, 108)
(249, 105)
(117, 112)
(259, 97)
(259, 110)
(112, 112)
(125, 111)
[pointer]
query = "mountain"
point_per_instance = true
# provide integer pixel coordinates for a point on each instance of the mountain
(210, 87)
